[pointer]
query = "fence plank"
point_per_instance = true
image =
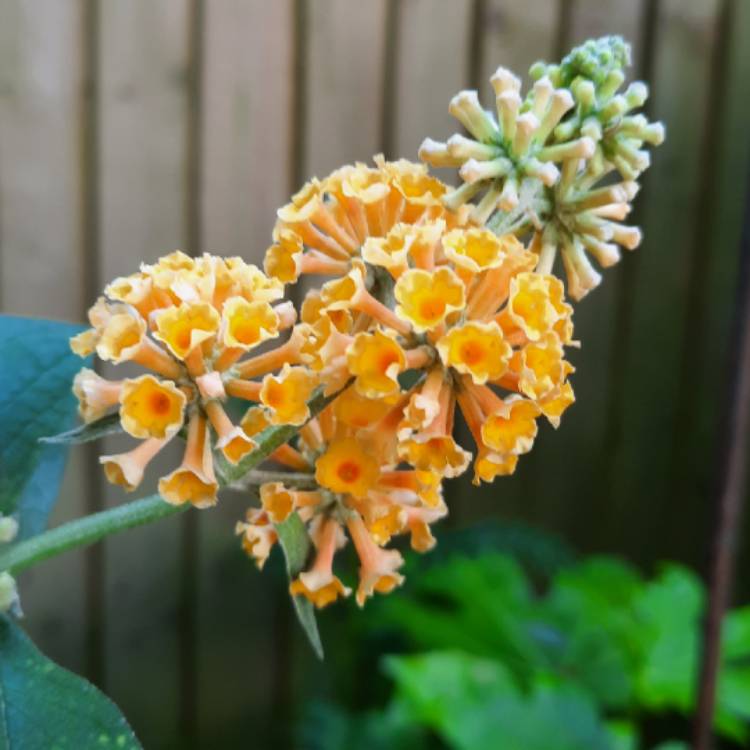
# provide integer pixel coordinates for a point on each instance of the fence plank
(559, 492)
(343, 47)
(247, 124)
(246, 152)
(344, 83)
(40, 263)
(431, 51)
(142, 130)
(638, 485)
(514, 35)
(713, 284)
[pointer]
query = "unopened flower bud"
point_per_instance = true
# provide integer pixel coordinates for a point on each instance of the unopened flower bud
(8, 529)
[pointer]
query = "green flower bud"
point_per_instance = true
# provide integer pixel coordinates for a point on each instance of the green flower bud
(8, 529)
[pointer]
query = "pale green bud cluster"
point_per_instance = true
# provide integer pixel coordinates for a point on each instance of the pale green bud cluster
(536, 165)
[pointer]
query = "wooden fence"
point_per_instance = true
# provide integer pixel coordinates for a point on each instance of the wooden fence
(131, 127)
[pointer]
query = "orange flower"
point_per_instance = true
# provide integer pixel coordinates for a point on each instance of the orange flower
(427, 298)
(258, 535)
(511, 428)
(285, 396)
(346, 468)
(376, 360)
(126, 469)
(536, 305)
(186, 327)
(378, 571)
(319, 584)
(476, 349)
(95, 394)
(151, 407)
(193, 481)
(247, 324)
(231, 440)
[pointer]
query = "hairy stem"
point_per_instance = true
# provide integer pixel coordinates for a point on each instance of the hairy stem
(86, 530)
(298, 480)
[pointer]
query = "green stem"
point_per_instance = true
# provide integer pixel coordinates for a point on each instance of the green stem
(256, 477)
(86, 530)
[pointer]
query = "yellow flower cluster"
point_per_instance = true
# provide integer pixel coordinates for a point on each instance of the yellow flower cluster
(426, 304)
(327, 222)
(456, 310)
(355, 492)
(425, 312)
(190, 322)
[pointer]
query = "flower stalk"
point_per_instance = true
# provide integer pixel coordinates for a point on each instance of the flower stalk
(85, 531)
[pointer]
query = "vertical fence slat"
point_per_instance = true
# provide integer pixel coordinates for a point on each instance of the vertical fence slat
(432, 46)
(344, 67)
(344, 83)
(512, 34)
(142, 126)
(559, 494)
(713, 258)
(638, 484)
(247, 124)
(246, 150)
(432, 40)
(516, 34)
(41, 272)
(40, 48)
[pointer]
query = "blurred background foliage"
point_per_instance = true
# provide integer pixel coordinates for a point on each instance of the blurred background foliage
(508, 640)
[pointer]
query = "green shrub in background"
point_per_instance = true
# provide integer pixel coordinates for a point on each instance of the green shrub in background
(491, 663)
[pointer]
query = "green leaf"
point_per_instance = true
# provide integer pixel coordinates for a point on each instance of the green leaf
(441, 688)
(295, 541)
(45, 707)
(735, 635)
(670, 608)
(623, 735)
(35, 401)
(329, 727)
(539, 553)
(474, 703)
(480, 605)
(85, 433)
(601, 646)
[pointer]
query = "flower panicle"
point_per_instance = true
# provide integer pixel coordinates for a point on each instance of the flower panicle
(432, 302)
(430, 314)
(355, 497)
(194, 324)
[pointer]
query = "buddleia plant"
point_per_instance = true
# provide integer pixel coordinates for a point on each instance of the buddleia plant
(424, 301)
